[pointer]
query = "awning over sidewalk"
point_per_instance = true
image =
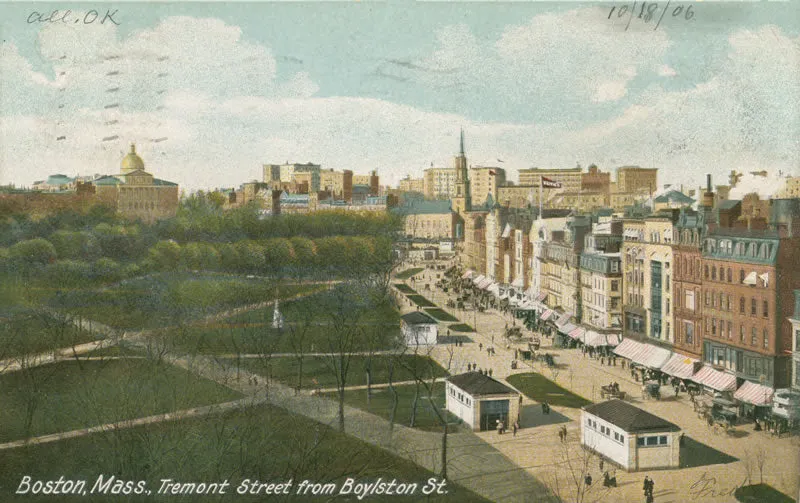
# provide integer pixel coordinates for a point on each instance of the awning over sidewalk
(547, 315)
(477, 279)
(563, 319)
(541, 296)
(596, 340)
(493, 288)
(468, 274)
(644, 354)
(483, 284)
(567, 328)
(753, 393)
(679, 366)
(613, 340)
(714, 379)
(577, 333)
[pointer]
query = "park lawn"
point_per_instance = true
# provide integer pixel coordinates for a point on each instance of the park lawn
(260, 442)
(28, 332)
(71, 395)
(539, 388)
(171, 299)
(409, 272)
(262, 339)
(285, 369)
(404, 288)
(116, 350)
(309, 308)
(440, 314)
(461, 327)
(760, 493)
(420, 301)
(380, 404)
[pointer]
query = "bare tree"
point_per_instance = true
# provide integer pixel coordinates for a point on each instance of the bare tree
(568, 481)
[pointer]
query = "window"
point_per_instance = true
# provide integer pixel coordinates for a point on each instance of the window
(741, 304)
(666, 283)
(741, 275)
(713, 273)
(708, 298)
(614, 285)
(730, 329)
(689, 300)
(688, 328)
(753, 306)
(766, 338)
(730, 275)
(766, 309)
(662, 440)
(741, 334)
(713, 326)
(705, 271)
(721, 300)
(651, 441)
(729, 302)
(753, 336)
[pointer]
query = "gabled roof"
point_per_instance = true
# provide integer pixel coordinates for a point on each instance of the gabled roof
(477, 384)
(418, 318)
(629, 418)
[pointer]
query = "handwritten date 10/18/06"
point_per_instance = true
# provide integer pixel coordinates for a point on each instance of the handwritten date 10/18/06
(646, 11)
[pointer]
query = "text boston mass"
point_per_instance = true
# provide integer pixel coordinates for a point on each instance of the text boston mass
(113, 486)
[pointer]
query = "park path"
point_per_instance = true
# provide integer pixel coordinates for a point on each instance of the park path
(132, 423)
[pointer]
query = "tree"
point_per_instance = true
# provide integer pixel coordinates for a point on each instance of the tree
(165, 255)
(33, 252)
(570, 469)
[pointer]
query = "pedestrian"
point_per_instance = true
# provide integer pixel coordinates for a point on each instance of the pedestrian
(565, 432)
(646, 485)
(588, 479)
(560, 435)
(480, 346)
(544, 408)
(601, 464)
(499, 427)
(651, 483)
(514, 429)
(490, 372)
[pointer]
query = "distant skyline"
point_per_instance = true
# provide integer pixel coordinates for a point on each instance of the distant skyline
(225, 88)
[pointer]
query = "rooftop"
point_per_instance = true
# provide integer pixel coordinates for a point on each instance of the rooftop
(418, 318)
(629, 418)
(477, 384)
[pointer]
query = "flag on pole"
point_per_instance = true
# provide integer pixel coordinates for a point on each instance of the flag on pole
(550, 184)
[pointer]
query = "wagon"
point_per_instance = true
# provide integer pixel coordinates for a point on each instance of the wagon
(610, 392)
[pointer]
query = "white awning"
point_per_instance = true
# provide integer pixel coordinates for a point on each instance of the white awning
(506, 231)
(679, 366)
(518, 283)
(753, 393)
(494, 288)
(750, 279)
(644, 354)
(714, 379)
(477, 279)
(468, 274)
(567, 328)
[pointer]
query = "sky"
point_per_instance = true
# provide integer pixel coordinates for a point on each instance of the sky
(211, 91)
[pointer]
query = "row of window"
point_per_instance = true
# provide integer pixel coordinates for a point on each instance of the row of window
(605, 430)
(723, 302)
(726, 275)
(653, 441)
(717, 328)
(751, 249)
(461, 397)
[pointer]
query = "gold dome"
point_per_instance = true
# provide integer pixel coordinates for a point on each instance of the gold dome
(132, 162)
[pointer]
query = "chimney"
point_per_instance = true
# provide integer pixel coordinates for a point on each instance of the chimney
(708, 196)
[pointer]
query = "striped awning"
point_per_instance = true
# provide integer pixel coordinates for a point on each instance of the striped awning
(644, 354)
(679, 366)
(541, 296)
(477, 279)
(468, 274)
(613, 340)
(577, 333)
(563, 319)
(714, 379)
(547, 315)
(484, 283)
(593, 339)
(753, 393)
(567, 328)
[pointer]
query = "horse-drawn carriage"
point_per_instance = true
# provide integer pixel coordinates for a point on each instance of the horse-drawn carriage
(514, 333)
(651, 389)
(611, 391)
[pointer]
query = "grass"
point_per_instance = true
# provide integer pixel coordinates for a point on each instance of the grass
(539, 388)
(440, 314)
(409, 272)
(420, 301)
(461, 327)
(404, 288)
(285, 369)
(229, 446)
(116, 350)
(380, 404)
(165, 300)
(71, 395)
(31, 332)
(760, 493)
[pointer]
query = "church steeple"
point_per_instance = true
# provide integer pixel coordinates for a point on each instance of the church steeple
(461, 201)
(461, 150)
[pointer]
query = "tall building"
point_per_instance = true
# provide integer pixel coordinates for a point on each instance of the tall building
(409, 184)
(636, 179)
(570, 179)
(288, 174)
(439, 183)
(462, 200)
(595, 180)
(484, 181)
(137, 194)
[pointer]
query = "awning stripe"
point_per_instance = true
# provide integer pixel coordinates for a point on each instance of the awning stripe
(714, 379)
(753, 393)
(679, 366)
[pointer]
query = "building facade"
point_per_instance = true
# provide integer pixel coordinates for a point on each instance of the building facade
(439, 183)
(634, 179)
(485, 181)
